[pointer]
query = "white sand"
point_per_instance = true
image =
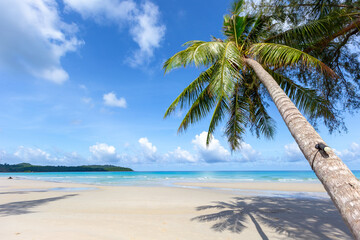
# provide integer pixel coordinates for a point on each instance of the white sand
(290, 187)
(28, 210)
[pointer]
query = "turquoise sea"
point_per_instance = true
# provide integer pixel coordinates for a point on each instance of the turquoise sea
(169, 178)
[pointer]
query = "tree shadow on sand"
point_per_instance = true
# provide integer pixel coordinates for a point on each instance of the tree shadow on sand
(23, 207)
(295, 218)
(22, 192)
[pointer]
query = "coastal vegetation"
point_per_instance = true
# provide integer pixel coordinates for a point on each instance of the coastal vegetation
(27, 167)
(261, 56)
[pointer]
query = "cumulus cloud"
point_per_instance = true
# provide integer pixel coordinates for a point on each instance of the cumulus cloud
(38, 156)
(181, 155)
(146, 32)
(103, 152)
(110, 99)
(212, 153)
(293, 152)
(145, 152)
(147, 146)
(29, 154)
(350, 154)
(36, 38)
(248, 152)
(142, 20)
(100, 153)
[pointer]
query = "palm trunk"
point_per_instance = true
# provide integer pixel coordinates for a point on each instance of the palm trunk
(340, 183)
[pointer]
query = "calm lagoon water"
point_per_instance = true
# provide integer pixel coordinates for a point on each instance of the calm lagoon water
(168, 178)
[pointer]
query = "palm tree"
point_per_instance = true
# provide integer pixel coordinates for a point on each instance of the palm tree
(241, 70)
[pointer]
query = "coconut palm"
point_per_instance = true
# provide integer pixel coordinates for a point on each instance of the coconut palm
(241, 71)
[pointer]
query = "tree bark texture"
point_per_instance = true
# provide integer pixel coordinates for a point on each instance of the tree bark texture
(340, 183)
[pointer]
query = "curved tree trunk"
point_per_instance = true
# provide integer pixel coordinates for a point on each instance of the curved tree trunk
(340, 183)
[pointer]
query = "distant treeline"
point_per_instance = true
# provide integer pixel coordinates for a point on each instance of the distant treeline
(27, 167)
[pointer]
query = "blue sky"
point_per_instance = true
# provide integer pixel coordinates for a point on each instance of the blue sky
(81, 82)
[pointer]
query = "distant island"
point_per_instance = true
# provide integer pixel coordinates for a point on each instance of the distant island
(27, 167)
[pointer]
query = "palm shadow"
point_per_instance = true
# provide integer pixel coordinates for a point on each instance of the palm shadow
(22, 192)
(294, 217)
(24, 207)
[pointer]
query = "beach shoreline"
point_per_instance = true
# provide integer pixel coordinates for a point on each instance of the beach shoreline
(55, 210)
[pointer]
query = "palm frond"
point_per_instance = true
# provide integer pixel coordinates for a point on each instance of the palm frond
(311, 32)
(225, 75)
(238, 28)
(259, 28)
(226, 71)
(261, 122)
(321, 7)
(191, 92)
(279, 56)
(237, 7)
(199, 53)
(198, 110)
(235, 126)
(218, 115)
(307, 100)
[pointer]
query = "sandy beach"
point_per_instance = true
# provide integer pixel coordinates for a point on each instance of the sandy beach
(48, 210)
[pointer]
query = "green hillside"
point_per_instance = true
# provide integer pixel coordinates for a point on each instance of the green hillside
(27, 167)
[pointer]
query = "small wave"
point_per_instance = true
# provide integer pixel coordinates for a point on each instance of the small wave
(247, 180)
(290, 180)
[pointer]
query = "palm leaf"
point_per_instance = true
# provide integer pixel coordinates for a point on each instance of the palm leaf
(278, 56)
(191, 92)
(199, 109)
(261, 122)
(307, 100)
(312, 31)
(235, 126)
(259, 28)
(224, 76)
(226, 71)
(199, 53)
(237, 7)
(219, 113)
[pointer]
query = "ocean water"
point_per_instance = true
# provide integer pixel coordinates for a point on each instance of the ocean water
(169, 178)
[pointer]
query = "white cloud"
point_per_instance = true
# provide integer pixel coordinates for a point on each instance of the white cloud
(147, 146)
(29, 154)
(213, 153)
(110, 99)
(350, 154)
(180, 155)
(149, 153)
(102, 10)
(145, 153)
(102, 153)
(35, 38)
(293, 152)
(102, 150)
(142, 20)
(38, 156)
(146, 33)
(248, 152)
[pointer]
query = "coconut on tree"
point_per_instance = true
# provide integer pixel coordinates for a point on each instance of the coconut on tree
(241, 71)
